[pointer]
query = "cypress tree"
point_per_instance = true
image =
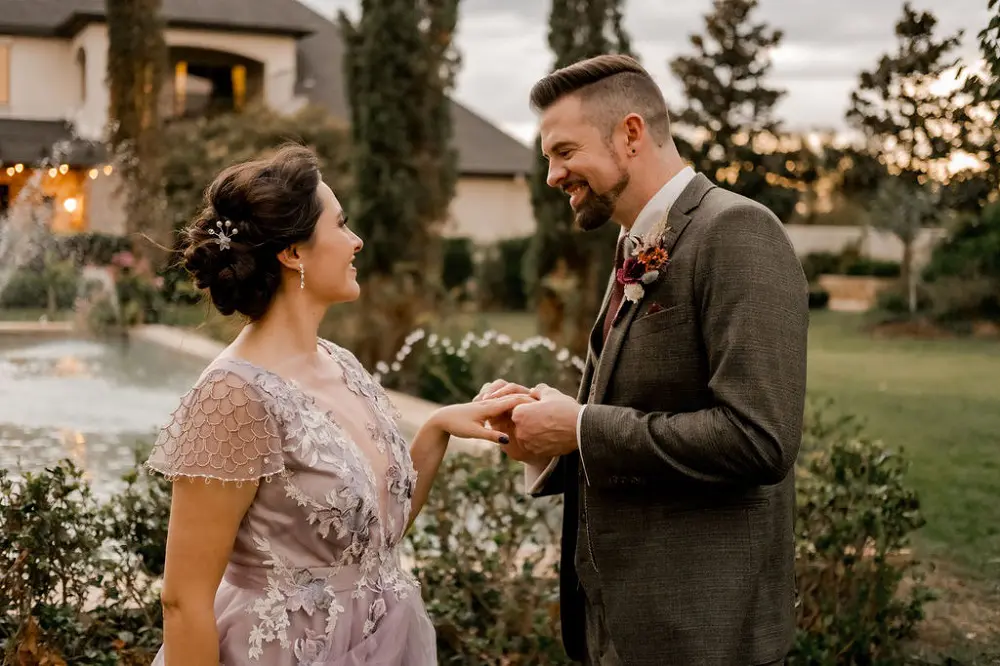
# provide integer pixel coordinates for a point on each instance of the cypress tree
(400, 65)
(578, 29)
(729, 107)
(137, 65)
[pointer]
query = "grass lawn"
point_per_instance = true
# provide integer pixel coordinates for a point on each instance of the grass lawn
(938, 400)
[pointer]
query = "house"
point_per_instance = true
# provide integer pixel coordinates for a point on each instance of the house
(223, 53)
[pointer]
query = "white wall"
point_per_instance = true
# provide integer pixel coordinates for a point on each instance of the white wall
(277, 53)
(490, 209)
(92, 114)
(105, 206)
(882, 245)
(43, 81)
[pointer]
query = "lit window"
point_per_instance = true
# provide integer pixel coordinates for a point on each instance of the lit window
(180, 88)
(4, 74)
(239, 86)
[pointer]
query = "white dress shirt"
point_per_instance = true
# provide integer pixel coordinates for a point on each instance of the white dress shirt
(651, 213)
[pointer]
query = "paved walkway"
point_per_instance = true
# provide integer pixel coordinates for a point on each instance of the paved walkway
(36, 327)
(414, 411)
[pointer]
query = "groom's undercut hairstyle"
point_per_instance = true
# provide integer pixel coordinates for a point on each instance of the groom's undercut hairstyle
(610, 87)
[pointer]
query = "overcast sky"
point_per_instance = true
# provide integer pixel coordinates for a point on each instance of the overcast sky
(826, 44)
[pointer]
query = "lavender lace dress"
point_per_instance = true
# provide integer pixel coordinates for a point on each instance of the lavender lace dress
(315, 577)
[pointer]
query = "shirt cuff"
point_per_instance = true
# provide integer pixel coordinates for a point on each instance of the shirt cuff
(579, 442)
(535, 475)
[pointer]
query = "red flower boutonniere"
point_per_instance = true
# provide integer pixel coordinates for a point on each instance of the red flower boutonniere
(643, 266)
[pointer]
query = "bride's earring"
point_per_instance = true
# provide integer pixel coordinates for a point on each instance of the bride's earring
(302, 276)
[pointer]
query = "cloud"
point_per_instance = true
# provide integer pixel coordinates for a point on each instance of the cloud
(826, 45)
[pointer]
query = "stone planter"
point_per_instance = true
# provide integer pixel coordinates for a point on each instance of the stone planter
(853, 293)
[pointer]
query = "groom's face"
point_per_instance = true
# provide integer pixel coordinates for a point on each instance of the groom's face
(582, 162)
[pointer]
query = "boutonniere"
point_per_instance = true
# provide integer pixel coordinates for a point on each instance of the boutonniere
(643, 267)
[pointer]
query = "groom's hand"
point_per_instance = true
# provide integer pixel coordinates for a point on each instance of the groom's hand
(547, 428)
(499, 388)
(505, 424)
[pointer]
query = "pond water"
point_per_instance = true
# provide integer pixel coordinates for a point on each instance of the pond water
(90, 401)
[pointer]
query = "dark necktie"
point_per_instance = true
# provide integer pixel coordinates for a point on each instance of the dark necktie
(617, 289)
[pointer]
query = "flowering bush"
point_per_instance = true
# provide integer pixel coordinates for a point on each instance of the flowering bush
(447, 371)
(486, 556)
(134, 296)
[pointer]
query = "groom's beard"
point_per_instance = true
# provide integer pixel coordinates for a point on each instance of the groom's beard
(596, 209)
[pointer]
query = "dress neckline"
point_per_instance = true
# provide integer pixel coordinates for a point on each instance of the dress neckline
(322, 346)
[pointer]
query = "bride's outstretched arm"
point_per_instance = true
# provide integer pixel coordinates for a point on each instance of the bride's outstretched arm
(464, 420)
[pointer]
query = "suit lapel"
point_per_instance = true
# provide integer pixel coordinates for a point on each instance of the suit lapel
(598, 330)
(592, 353)
(677, 219)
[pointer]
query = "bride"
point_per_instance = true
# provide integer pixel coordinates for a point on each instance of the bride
(293, 487)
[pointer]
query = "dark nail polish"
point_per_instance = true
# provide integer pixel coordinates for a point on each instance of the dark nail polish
(504, 439)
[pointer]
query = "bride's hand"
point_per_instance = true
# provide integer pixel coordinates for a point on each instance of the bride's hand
(469, 419)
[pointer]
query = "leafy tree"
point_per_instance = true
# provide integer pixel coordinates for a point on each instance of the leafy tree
(980, 122)
(904, 207)
(137, 64)
(400, 65)
(729, 108)
(909, 124)
(578, 29)
(196, 150)
(963, 275)
(904, 115)
(989, 47)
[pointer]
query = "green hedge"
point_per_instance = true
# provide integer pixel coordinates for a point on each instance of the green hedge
(847, 263)
(53, 285)
(51, 277)
(500, 277)
(963, 275)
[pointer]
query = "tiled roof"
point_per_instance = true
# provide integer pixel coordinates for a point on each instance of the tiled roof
(65, 17)
(483, 148)
(31, 142)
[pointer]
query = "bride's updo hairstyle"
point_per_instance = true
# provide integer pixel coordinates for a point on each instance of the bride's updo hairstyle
(252, 211)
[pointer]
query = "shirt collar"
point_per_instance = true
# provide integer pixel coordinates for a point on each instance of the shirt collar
(657, 207)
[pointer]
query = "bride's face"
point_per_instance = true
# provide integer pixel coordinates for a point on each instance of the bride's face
(328, 258)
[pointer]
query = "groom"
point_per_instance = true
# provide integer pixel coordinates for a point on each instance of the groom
(676, 459)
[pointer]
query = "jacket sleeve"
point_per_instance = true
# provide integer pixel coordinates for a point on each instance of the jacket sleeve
(752, 300)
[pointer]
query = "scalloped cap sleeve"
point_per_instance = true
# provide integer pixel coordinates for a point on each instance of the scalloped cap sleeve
(222, 430)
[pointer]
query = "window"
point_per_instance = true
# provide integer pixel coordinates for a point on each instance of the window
(4, 74)
(81, 70)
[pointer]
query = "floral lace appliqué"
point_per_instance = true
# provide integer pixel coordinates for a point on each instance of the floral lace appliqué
(348, 513)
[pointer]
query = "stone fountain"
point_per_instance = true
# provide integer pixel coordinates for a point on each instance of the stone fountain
(25, 234)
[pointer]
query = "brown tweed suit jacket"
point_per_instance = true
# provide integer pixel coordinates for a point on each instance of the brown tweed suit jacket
(689, 438)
